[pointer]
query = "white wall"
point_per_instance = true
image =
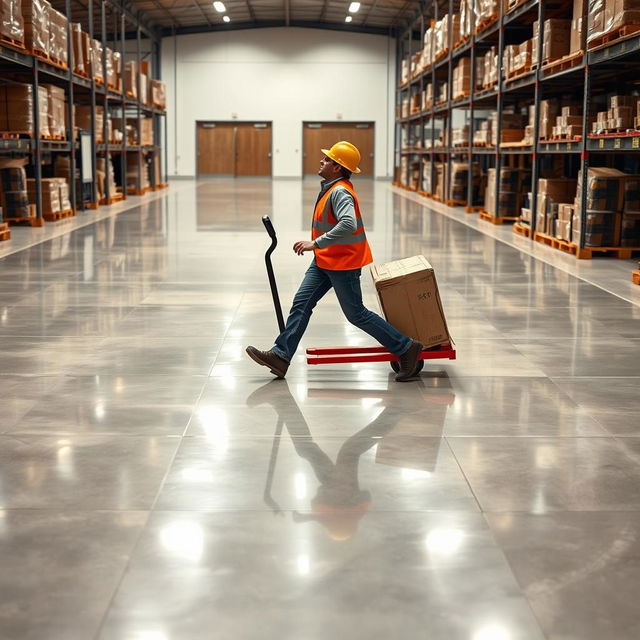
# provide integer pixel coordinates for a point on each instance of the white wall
(282, 75)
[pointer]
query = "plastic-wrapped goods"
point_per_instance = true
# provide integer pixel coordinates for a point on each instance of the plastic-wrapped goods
(109, 71)
(78, 63)
(130, 78)
(11, 21)
(607, 15)
(55, 111)
(36, 25)
(136, 164)
(65, 202)
(459, 182)
(486, 10)
(441, 32)
(144, 88)
(462, 78)
(159, 94)
(428, 50)
(466, 12)
(13, 192)
(16, 108)
(117, 71)
(82, 118)
(97, 70)
(58, 37)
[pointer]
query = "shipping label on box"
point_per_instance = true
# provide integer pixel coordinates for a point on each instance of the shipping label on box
(409, 299)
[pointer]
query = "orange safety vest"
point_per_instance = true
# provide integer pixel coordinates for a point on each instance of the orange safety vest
(349, 253)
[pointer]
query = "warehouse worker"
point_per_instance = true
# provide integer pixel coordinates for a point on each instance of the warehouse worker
(340, 249)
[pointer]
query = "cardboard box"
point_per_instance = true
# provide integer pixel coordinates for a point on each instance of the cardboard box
(409, 299)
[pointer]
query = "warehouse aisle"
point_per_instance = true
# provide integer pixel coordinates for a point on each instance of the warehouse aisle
(155, 484)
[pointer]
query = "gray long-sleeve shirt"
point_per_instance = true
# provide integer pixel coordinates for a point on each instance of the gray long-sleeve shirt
(345, 212)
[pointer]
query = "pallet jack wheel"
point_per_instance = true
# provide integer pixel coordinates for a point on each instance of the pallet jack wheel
(395, 365)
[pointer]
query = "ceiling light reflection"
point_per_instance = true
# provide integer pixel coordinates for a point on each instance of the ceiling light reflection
(183, 539)
(300, 486)
(304, 565)
(444, 541)
(492, 632)
(415, 474)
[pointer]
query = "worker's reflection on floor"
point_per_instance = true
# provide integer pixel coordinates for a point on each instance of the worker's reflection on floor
(340, 502)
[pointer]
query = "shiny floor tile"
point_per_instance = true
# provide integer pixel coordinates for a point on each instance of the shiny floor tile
(253, 575)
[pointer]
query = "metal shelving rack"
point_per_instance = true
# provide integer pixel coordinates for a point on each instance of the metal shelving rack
(33, 70)
(598, 71)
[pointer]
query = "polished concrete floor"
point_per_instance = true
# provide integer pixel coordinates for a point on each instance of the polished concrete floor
(156, 484)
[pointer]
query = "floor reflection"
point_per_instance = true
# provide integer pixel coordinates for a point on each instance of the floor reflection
(340, 502)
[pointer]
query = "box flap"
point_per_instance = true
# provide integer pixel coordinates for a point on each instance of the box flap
(389, 272)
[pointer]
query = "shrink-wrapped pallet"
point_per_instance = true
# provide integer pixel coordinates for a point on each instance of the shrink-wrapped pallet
(55, 110)
(11, 21)
(97, 68)
(58, 37)
(36, 15)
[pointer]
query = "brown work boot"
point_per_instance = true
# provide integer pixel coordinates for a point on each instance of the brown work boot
(409, 362)
(276, 364)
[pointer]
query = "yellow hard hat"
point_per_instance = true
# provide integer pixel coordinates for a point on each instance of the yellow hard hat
(345, 154)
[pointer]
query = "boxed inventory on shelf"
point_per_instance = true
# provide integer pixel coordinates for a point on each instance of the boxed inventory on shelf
(16, 109)
(13, 188)
(11, 21)
(409, 299)
(608, 15)
(556, 39)
(514, 183)
(462, 78)
(553, 192)
(621, 115)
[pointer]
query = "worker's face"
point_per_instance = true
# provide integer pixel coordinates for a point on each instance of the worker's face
(329, 169)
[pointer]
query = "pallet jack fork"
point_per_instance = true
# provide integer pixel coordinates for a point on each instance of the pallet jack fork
(338, 355)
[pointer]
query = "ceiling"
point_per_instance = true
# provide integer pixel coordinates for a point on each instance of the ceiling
(190, 16)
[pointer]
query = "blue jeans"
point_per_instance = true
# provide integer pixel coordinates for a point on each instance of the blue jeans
(346, 284)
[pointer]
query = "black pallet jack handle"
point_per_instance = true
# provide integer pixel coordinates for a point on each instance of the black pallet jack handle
(272, 279)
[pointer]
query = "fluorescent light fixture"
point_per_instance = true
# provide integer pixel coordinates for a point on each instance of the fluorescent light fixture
(226, 18)
(348, 19)
(219, 7)
(353, 7)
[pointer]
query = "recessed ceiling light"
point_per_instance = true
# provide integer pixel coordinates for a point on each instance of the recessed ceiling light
(219, 7)
(226, 18)
(348, 19)
(353, 7)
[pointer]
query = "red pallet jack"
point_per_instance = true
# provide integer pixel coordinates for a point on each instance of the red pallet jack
(338, 355)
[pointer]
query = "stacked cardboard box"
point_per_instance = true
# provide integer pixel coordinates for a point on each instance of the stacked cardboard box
(442, 179)
(58, 40)
(96, 68)
(13, 191)
(462, 78)
(604, 205)
(82, 118)
(484, 134)
(104, 167)
(81, 47)
(53, 200)
(577, 23)
(427, 97)
(131, 81)
(56, 111)
(549, 110)
(630, 231)
(404, 73)
(514, 183)
(16, 109)
(529, 129)
(608, 15)
(460, 136)
(36, 25)
(622, 114)
(443, 92)
(427, 180)
(11, 21)
(414, 103)
(466, 13)
(486, 10)
(551, 193)
(460, 181)
(556, 39)
(513, 128)
(136, 162)
(564, 221)
(568, 123)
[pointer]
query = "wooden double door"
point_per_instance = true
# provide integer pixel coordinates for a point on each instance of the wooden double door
(234, 148)
(321, 135)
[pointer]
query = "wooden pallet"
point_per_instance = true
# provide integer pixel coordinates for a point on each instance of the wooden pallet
(522, 229)
(484, 215)
(56, 137)
(622, 253)
(82, 74)
(613, 36)
(56, 62)
(635, 277)
(31, 221)
(561, 64)
(13, 43)
(456, 203)
(461, 96)
(131, 95)
(461, 43)
(92, 205)
(5, 234)
(117, 197)
(561, 139)
(141, 192)
(59, 215)
(512, 76)
(474, 209)
(99, 81)
(486, 23)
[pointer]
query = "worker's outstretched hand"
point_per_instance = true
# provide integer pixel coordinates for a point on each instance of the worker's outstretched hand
(302, 246)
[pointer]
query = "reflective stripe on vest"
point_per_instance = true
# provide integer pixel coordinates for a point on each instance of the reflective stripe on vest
(352, 252)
